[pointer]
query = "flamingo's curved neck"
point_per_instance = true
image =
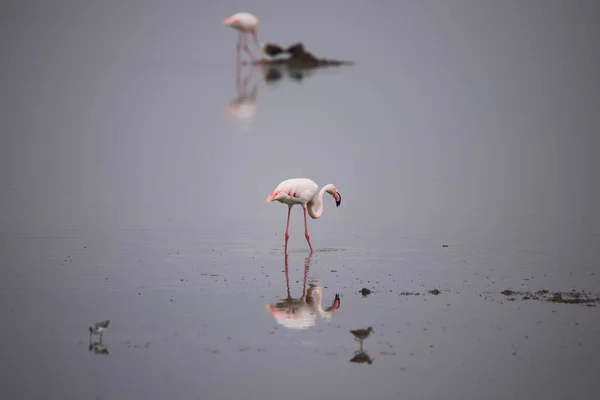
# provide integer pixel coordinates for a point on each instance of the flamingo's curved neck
(318, 304)
(319, 298)
(316, 214)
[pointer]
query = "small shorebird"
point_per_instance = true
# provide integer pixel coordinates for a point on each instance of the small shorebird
(362, 334)
(99, 327)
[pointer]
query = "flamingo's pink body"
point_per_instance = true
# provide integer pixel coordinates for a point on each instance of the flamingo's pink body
(306, 193)
(246, 24)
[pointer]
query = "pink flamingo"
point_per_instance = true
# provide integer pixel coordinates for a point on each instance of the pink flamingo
(303, 191)
(247, 24)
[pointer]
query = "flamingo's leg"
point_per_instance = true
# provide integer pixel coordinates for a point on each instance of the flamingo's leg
(254, 59)
(287, 228)
(238, 52)
(306, 235)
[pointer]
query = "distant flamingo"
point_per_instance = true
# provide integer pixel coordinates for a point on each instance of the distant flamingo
(303, 191)
(246, 24)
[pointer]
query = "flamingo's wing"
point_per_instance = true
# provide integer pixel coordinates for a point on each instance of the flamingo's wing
(305, 189)
(298, 188)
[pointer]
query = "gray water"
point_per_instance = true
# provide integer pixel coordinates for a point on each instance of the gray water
(135, 162)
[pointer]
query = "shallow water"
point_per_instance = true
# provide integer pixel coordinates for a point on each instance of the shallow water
(136, 160)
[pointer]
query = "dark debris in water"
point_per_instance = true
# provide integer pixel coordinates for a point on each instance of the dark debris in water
(365, 292)
(434, 292)
(330, 250)
(572, 297)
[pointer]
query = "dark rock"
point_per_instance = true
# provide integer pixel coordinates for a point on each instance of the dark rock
(299, 58)
(272, 49)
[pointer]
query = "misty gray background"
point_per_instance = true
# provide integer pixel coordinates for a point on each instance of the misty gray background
(473, 123)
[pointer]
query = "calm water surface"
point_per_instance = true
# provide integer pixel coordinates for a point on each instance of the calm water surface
(136, 160)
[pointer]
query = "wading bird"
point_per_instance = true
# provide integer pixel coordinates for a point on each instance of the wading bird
(247, 24)
(99, 328)
(362, 334)
(303, 191)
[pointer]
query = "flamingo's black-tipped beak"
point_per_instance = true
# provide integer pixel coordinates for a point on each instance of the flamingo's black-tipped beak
(338, 199)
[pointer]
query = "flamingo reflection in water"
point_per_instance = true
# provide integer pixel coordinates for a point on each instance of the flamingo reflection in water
(243, 107)
(302, 313)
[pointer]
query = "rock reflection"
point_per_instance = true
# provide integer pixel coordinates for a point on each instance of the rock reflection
(302, 313)
(274, 73)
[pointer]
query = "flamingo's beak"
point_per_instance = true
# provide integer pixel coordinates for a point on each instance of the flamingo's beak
(338, 199)
(274, 196)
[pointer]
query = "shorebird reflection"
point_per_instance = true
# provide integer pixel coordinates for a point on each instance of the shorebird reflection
(302, 313)
(360, 357)
(98, 348)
